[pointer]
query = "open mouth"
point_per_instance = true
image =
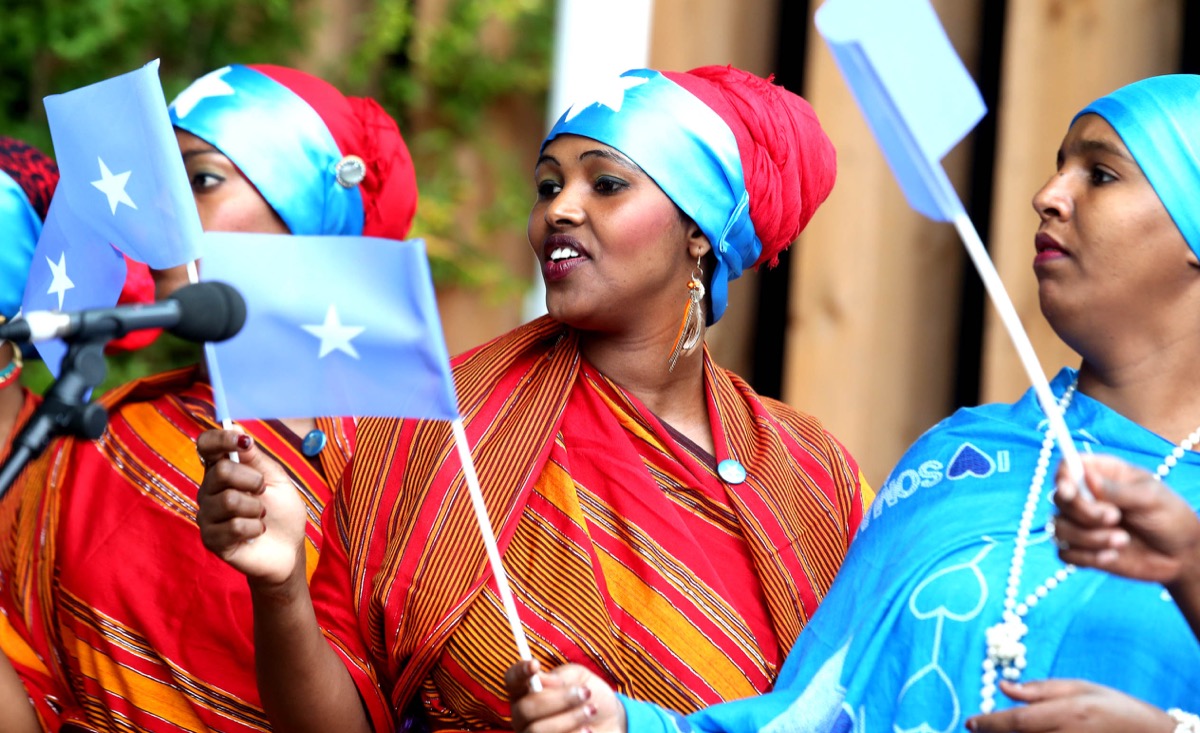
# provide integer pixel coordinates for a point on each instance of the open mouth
(559, 254)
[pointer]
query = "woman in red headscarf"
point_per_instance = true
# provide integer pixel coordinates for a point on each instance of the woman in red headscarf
(112, 612)
(660, 522)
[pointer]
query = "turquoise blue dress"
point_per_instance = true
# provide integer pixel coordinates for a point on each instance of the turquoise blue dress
(898, 645)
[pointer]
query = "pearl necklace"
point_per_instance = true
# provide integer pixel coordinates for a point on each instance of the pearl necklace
(1005, 646)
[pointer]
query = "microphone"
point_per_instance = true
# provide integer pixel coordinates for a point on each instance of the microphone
(207, 311)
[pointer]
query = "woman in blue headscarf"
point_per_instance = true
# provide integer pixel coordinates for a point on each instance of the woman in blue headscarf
(954, 593)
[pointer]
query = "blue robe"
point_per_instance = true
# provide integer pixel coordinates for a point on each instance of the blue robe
(898, 644)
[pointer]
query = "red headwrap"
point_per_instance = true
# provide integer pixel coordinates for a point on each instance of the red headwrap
(361, 127)
(788, 161)
(33, 170)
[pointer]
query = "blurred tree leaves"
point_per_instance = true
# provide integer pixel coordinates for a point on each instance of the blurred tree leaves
(52, 46)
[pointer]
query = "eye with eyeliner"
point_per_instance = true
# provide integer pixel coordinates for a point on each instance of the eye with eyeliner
(1098, 176)
(205, 180)
(548, 187)
(608, 185)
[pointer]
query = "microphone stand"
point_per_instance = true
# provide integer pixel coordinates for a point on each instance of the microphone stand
(65, 409)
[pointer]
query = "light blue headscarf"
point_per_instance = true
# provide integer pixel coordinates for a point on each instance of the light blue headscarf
(1158, 119)
(20, 227)
(279, 142)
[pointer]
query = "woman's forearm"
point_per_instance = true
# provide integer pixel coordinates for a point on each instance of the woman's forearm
(1186, 593)
(303, 682)
(16, 711)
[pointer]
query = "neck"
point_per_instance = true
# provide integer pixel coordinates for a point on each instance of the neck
(1155, 392)
(301, 426)
(676, 397)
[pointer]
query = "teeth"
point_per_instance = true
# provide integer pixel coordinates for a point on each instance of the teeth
(563, 253)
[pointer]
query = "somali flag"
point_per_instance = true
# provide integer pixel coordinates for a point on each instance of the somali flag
(334, 326)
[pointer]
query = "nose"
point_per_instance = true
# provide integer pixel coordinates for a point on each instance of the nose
(565, 209)
(1053, 200)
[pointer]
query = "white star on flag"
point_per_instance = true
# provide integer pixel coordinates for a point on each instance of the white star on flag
(611, 94)
(334, 336)
(113, 186)
(60, 284)
(209, 85)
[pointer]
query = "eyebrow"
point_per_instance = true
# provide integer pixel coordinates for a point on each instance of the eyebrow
(1091, 145)
(613, 157)
(609, 155)
(187, 155)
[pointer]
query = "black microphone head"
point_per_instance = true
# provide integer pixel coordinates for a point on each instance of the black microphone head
(209, 311)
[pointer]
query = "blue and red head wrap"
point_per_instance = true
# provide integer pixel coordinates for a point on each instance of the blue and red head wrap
(27, 182)
(326, 163)
(1158, 119)
(746, 159)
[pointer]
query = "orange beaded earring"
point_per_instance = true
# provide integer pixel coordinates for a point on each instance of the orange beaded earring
(691, 330)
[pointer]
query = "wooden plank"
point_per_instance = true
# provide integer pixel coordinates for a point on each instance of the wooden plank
(1059, 55)
(874, 285)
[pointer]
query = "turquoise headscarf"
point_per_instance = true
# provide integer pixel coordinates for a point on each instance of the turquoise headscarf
(295, 166)
(1158, 119)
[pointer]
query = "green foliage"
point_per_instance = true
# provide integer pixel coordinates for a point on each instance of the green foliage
(53, 46)
(441, 83)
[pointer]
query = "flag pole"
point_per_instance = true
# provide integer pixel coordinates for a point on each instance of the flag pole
(1020, 339)
(489, 543)
(214, 374)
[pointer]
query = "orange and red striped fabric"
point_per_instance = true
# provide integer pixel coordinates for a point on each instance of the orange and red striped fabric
(625, 550)
(115, 616)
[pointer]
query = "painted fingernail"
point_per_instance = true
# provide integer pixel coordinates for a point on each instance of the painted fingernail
(589, 710)
(244, 442)
(970, 724)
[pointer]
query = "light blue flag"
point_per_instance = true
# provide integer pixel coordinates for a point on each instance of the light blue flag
(122, 177)
(911, 86)
(71, 270)
(121, 184)
(334, 326)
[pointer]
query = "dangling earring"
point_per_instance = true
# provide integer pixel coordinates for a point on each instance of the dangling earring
(692, 328)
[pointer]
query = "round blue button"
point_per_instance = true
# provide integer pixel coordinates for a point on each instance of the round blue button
(731, 471)
(313, 443)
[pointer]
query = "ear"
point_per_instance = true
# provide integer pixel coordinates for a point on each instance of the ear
(698, 244)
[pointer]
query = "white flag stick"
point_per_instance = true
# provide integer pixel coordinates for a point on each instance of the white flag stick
(1020, 339)
(489, 543)
(214, 374)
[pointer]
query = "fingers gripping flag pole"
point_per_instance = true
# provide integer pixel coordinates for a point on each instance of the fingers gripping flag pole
(355, 332)
(920, 102)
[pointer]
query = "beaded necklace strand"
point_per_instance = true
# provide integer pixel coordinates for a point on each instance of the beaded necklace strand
(1005, 640)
